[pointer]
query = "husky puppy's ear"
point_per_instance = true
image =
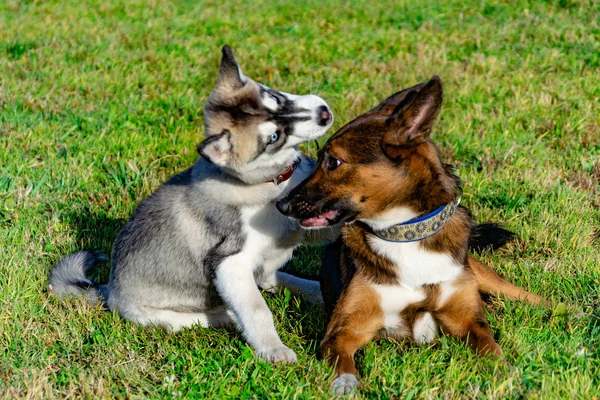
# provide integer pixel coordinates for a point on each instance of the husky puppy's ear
(230, 74)
(411, 121)
(217, 148)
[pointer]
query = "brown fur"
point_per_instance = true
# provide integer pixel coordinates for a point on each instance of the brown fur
(357, 319)
(237, 109)
(491, 283)
(387, 160)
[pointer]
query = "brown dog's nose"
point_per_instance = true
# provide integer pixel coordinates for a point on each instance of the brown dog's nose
(324, 116)
(284, 207)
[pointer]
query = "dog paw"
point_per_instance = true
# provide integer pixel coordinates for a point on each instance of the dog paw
(345, 384)
(278, 354)
(268, 285)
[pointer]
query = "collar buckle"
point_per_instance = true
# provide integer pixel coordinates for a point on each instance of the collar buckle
(285, 175)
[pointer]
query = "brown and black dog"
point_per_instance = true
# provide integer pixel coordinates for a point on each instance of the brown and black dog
(386, 276)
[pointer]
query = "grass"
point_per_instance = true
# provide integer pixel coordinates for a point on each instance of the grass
(102, 101)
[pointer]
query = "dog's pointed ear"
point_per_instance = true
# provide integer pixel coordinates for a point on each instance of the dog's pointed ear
(396, 100)
(217, 148)
(230, 74)
(411, 121)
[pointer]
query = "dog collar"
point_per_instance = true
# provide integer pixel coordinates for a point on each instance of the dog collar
(421, 227)
(285, 175)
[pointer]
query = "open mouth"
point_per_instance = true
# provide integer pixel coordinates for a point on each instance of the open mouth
(326, 218)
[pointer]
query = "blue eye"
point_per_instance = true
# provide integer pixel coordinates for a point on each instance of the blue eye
(273, 138)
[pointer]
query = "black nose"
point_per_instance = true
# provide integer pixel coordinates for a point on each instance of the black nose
(324, 116)
(284, 207)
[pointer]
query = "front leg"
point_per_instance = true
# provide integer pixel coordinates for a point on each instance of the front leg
(356, 319)
(266, 277)
(236, 286)
(270, 279)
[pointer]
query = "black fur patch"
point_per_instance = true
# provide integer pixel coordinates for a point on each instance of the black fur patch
(85, 285)
(224, 221)
(489, 236)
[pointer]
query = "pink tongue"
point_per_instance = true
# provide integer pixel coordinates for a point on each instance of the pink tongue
(320, 220)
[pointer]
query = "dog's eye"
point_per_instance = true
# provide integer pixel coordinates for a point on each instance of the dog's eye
(332, 163)
(274, 137)
(277, 99)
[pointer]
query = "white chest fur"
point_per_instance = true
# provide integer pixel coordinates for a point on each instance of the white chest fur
(417, 266)
(394, 299)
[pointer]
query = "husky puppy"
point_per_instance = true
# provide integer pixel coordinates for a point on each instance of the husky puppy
(198, 249)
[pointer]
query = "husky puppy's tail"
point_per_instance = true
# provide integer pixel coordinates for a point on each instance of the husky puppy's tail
(69, 277)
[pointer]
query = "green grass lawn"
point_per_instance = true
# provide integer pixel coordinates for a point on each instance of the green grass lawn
(101, 101)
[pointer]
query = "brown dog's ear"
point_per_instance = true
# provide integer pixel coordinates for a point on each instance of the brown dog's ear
(397, 99)
(230, 74)
(411, 121)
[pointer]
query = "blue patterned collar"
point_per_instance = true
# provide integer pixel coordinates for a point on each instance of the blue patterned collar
(421, 227)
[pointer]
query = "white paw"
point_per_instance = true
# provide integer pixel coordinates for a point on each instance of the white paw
(278, 354)
(268, 284)
(344, 384)
(271, 289)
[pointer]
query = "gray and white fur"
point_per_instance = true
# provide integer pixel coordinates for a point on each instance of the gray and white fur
(199, 248)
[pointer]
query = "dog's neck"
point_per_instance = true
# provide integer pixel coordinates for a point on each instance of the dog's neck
(451, 238)
(212, 182)
(389, 218)
(403, 225)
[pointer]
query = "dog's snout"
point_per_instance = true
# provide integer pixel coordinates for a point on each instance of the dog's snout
(284, 207)
(324, 116)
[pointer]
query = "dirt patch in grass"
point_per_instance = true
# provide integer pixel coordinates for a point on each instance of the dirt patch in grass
(586, 180)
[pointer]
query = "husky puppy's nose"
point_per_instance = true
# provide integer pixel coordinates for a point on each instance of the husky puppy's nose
(284, 207)
(324, 116)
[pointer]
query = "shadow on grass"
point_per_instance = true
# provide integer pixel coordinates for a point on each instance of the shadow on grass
(94, 230)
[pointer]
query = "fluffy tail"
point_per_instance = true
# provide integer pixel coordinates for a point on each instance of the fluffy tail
(488, 235)
(69, 276)
(493, 236)
(490, 282)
